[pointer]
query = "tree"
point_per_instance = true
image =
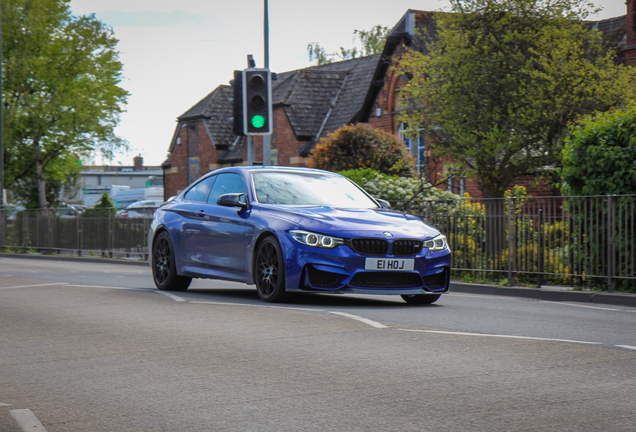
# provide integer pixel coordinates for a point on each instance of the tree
(502, 80)
(61, 93)
(361, 146)
(371, 41)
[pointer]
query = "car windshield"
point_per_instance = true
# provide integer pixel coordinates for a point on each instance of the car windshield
(309, 189)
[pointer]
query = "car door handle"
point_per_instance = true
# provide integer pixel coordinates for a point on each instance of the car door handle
(200, 213)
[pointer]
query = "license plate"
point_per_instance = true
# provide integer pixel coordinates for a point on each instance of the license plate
(388, 264)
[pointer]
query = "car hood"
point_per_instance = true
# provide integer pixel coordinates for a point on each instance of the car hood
(344, 222)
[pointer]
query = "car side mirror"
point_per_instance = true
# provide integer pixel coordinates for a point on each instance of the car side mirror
(232, 200)
(383, 203)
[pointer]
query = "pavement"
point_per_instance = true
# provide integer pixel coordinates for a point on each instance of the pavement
(546, 293)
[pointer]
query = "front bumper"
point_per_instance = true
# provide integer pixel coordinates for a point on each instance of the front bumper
(342, 270)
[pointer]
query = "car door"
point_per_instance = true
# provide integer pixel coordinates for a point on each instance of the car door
(191, 228)
(224, 228)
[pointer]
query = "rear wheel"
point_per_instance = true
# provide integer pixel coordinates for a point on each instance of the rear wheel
(269, 271)
(164, 269)
(420, 299)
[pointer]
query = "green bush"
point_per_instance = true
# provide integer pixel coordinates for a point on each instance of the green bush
(599, 157)
(361, 146)
(407, 194)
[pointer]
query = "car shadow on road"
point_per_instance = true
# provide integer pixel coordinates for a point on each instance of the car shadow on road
(249, 296)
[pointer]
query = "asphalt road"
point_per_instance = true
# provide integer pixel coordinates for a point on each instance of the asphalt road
(94, 347)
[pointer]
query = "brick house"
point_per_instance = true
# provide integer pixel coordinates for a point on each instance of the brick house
(307, 105)
(312, 102)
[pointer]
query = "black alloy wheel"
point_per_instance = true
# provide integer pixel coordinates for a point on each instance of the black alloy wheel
(421, 299)
(164, 270)
(269, 271)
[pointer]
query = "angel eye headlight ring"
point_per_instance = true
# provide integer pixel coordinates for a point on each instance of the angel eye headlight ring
(315, 240)
(436, 244)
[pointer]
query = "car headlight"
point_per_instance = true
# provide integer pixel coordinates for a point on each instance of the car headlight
(436, 244)
(316, 240)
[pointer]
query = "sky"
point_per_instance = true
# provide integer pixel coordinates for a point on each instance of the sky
(174, 53)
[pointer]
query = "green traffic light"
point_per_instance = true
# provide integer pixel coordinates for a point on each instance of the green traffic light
(258, 121)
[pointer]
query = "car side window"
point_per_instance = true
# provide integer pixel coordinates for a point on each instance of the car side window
(200, 191)
(227, 183)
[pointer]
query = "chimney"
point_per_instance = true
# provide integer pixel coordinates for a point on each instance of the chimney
(139, 163)
(630, 30)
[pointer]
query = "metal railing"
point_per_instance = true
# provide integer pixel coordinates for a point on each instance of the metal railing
(96, 231)
(586, 241)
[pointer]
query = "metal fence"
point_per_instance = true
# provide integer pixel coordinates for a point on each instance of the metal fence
(574, 241)
(96, 231)
(585, 241)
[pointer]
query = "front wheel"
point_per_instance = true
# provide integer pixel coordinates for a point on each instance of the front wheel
(269, 271)
(164, 268)
(420, 299)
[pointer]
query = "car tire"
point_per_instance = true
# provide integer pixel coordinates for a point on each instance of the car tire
(269, 271)
(164, 268)
(421, 299)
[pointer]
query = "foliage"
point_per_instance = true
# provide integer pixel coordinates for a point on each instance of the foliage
(60, 90)
(503, 79)
(371, 41)
(104, 207)
(600, 154)
(361, 176)
(600, 159)
(104, 201)
(62, 179)
(406, 194)
(361, 146)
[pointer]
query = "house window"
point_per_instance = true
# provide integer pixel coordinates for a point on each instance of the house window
(416, 146)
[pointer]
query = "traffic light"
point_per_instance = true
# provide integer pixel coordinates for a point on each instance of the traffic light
(237, 104)
(257, 101)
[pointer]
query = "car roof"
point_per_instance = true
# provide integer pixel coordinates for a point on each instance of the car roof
(260, 168)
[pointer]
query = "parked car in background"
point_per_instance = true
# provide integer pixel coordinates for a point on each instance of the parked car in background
(67, 211)
(295, 230)
(124, 198)
(140, 209)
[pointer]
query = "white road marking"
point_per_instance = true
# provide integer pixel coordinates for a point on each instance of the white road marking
(111, 287)
(361, 319)
(581, 306)
(253, 305)
(4, 404)
(172, 296)
(27, 420)
(626, 347)
(500, 336)
(30, 286)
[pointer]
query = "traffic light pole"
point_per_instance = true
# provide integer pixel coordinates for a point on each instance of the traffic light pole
(267, 139)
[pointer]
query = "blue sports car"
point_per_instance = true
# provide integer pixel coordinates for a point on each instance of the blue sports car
(295, 230)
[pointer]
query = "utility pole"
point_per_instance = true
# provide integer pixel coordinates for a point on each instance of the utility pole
(1, 130)
(3, 215)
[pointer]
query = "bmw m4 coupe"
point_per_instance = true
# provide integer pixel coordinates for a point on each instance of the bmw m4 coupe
(295, 230)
